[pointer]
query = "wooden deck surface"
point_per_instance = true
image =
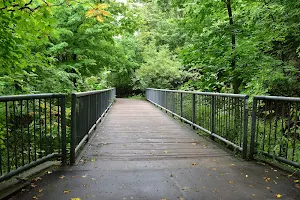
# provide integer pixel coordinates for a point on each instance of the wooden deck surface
(137, 130)
(140, 152)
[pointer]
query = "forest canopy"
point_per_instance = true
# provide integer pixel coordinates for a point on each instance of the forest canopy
(234, 46)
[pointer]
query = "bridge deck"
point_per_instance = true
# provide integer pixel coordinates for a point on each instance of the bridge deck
(139, 152)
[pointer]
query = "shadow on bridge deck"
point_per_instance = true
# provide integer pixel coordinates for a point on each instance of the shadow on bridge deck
(139, 152)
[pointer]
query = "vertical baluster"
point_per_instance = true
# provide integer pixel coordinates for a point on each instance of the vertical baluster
(282, 128)
(7, 137)
(63, 129)
(45, 141)
(28, 131)
(22, 132)
(253, 128)
(270, 128)
(213, 115)
(15, 135)
(289, 130)
(50, 124)
(34, 130)
(58, 125)
(295, 136)
(40, 133)
(265, 121)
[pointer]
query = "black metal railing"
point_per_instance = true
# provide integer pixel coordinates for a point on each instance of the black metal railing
(32, 131)
(223, 116)
(275, 130)
(88, 108)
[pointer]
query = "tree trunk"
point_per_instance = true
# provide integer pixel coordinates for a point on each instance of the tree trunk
(236, 83)
(74, 80)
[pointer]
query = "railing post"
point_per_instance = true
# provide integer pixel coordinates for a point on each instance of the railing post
(253, 128)
(194, 110)
(245, 139)
(166, 100)
(213, 116)
(63, 129)
(181, 110)
(73, 129)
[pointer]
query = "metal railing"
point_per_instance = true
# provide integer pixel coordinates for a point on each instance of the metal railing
(223, 116)
(32, 131)
(88, 108)
(275, 130)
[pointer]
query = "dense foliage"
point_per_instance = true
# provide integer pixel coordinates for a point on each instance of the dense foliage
(240, 46)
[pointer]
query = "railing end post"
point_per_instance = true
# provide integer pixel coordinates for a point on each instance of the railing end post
(73, 129)
(253, 128)
(63, 129)
(213, 116)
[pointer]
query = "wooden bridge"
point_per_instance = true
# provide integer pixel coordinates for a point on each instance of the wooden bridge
(141, 152)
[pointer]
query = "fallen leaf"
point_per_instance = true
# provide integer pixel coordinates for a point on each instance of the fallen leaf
(164, 199)
(181, 198)
(49, 172)
(35, 197)
(194, 163)
(268, 188)
(246, 176)
(37, 179)
(62, 177)
(297, 186)
(93, 179)
(40, 190)
(266, 179)
(33, 185)
(296, 181)
(93, 160)
(165, 151)
(84, 176)
(278, 195)
(232, 164)
(230, 182)
(171, 175)
(75, 198)
(185, 188)
(194, 144)
(253, 195)
(67, 191)
(275, 182)
(214, 169)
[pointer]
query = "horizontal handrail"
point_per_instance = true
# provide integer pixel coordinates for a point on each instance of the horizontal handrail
(277, 98)
(29, 97)
(81, 94)
(203, 93)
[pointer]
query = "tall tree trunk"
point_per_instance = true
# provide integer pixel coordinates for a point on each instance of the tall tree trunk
(74, 80)
(236, 83)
